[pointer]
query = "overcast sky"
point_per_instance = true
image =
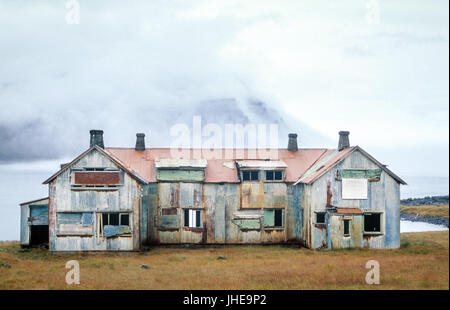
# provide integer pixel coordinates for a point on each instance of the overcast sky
(376, 68)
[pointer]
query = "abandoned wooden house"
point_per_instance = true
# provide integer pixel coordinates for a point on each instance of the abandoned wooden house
(123, 199)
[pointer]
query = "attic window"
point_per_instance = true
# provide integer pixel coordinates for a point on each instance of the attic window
(274, 175)
(250, 175)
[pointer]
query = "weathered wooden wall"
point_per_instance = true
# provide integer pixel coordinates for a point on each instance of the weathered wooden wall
(227, 215)
(33, 213)
(65, 198)
(383, 196)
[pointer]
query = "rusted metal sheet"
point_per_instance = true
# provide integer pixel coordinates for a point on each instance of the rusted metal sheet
(97, 178)
(349, 211)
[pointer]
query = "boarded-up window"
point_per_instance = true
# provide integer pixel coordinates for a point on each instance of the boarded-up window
(75, 223)
(273, 218)
(354, 188)
(97, 178)
(192, 218)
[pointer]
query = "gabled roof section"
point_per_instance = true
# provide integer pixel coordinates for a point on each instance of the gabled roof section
(331, 158)
(111, 156)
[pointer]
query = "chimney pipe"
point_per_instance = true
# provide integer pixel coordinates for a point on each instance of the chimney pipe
(97, 138)
(292, 144)
(140, 142)
(344, 142)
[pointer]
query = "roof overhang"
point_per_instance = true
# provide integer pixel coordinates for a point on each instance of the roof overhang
(261, 164)
(115, 160)
(171, 163)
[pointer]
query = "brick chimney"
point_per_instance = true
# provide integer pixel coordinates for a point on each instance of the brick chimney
(344, 142)
(140, 142)
(292, 144)
(97, 138)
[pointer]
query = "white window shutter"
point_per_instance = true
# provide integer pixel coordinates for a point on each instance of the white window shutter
(354, 188)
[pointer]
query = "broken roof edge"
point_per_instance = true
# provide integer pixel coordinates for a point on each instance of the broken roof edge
(32, 201)
(350, 151)
(113, 158)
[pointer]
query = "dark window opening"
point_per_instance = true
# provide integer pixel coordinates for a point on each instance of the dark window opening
(275, 175)
(320, 218)
(125, 219)
(278, 175)
(372, 222)
(116, 219)
(278, 221)
(250, 175)
(346, 227)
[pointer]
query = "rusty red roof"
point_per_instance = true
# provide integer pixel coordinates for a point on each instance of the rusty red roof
(349, 211)
(218, 170)
(302, 166)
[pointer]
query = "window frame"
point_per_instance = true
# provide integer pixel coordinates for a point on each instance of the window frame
(346, 220)
(199, 217)
(120, 218)
(251, 172)
(274, 172)
(324, 217)
(274, 227)
(381, 224)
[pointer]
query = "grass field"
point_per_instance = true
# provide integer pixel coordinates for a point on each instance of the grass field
(441, 210)
(422, 262)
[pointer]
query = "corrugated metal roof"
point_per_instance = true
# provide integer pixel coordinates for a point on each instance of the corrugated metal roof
(180, 163)
(261, 164)
(33, 201)
(218, 170)
(349, 211)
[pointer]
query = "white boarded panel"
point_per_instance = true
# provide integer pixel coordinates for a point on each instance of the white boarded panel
(354, 188)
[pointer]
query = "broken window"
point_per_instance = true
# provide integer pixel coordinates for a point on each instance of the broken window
(346, 227)
(274, 175)
(114, 224)
(372, 222)
(354, 188)
(320, 218)
(250, 175)
(116, 219)
(192, 218)
(273, 218)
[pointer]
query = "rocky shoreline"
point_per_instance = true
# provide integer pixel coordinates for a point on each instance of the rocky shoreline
(425, 201)
(437, 220)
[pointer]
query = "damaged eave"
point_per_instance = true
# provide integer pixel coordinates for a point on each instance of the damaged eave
(310, 176)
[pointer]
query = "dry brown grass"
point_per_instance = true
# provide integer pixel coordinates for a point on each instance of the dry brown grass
(441, 210)
(421, 263)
